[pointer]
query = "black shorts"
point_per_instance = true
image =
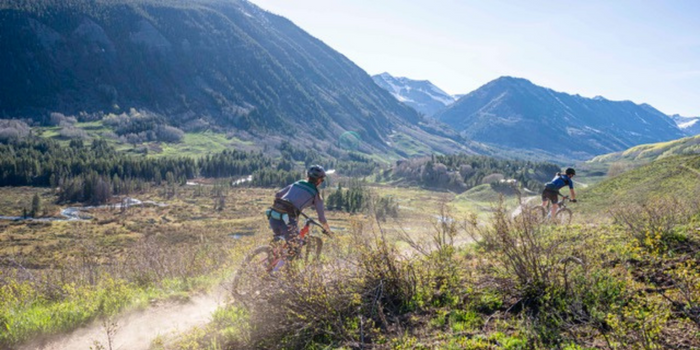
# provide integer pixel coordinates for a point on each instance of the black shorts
(550, 195)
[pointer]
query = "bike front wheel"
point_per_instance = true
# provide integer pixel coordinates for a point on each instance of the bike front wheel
(249, 280)
(563, 216)
(312, 249)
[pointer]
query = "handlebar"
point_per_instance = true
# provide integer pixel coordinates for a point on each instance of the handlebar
(569, 199)
(311, 220)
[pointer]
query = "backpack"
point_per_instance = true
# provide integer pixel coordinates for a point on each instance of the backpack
(550, 184)
(566, 180)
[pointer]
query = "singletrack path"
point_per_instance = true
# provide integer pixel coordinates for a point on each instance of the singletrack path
(697, 173)
(137, 330)
(519, 209)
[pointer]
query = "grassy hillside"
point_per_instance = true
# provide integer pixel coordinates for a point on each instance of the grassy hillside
(192, 144)
(653, 151)
(667, 177)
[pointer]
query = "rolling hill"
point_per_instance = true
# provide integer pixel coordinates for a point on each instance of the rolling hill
(650, 152)
(671, 177)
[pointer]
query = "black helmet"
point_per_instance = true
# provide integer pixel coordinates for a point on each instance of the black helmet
(570, 171)
(316, 172)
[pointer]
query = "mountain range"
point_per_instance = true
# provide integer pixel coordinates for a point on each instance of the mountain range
(421, 95)
(514, 113)
(198, 65)
(434, 101)
(231, 67)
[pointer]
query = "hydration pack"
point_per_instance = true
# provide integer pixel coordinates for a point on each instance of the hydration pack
(566, 180)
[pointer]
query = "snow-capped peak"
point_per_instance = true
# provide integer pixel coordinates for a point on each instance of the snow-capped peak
(422, 95)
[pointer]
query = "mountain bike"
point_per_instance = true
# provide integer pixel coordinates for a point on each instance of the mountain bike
(262, 263)
(562, 216)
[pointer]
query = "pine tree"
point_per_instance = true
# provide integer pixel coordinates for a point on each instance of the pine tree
(36, 205)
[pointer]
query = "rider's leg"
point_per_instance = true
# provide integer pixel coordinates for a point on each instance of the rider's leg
(553, 212)
(284, 230)
(283, 233)
(279, 229)
(544, 199)
(550, 196)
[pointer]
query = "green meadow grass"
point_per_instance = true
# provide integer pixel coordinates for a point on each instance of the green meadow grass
(649, 152)
(200, 144)
(192, 144)
(668, 177)
(482, 200)
(409, 146)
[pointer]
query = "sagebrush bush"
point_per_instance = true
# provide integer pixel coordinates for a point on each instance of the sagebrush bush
(659, 226)
(363, 295)
(554, 276)
(524, 250)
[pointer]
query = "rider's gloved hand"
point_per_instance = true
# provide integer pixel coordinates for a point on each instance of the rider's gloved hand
(327, 228)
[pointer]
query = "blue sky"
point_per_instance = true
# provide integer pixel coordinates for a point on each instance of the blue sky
(643, 51)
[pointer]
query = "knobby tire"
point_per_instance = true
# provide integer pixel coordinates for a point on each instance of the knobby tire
(564, 216)
(539, 213)
(250, 277)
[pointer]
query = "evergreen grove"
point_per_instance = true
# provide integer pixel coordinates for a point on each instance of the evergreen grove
(91, 173)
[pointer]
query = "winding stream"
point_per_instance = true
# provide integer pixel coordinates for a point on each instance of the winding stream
(78, 213)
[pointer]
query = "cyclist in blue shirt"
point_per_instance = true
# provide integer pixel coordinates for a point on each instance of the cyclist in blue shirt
(551, 189)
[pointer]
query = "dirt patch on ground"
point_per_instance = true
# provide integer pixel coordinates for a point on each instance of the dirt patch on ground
(137, 330)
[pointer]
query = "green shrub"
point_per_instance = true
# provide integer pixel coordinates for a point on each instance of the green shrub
(465, 320)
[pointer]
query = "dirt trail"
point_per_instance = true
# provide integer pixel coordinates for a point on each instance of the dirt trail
(136, 330)
(519, 209)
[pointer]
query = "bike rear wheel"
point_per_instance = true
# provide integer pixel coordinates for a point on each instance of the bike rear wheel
(249, 280)
(539, 213)
(563, 216)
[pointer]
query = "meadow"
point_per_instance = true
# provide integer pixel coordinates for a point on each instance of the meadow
(449, 271)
